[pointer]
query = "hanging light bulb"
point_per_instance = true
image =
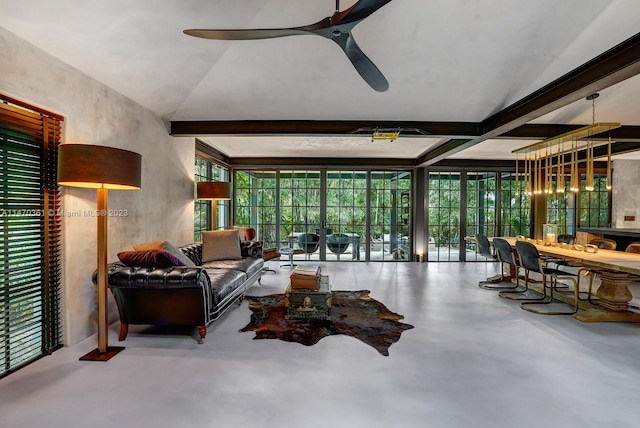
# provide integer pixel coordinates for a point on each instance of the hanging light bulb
(527, 174)
(560, 176)
(517, 189)
(589, 186)
(575, 173)
(609, 162)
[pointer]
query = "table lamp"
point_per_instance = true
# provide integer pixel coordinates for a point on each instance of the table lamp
(101, 168)
(213, 191)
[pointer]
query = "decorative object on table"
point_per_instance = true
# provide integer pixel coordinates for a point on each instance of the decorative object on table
(213, 191)
(353, 313)
(550, 233)
(309, 303)
(101, 168)
(337, 28)
(305, 277)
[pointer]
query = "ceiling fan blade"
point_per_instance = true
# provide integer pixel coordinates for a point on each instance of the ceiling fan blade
(360, 10)
(245, 34)
(363, 65)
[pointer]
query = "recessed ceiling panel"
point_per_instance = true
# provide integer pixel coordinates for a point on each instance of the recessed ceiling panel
(342, 147)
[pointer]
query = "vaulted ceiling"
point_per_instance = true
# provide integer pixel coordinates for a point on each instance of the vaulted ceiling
(467, 80)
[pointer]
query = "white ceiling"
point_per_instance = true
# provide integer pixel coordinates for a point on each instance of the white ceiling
(445, 60)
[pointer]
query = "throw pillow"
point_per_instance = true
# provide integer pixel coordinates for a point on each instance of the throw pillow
(149, 258)
(220, 245)
(148, 246)
(165, 245)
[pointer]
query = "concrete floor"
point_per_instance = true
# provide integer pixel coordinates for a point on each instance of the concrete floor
(472, 360)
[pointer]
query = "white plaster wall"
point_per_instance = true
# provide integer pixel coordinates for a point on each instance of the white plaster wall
(625, 193)
(96, 114)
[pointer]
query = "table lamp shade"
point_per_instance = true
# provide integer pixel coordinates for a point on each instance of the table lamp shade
(83, 165)
(213, 190)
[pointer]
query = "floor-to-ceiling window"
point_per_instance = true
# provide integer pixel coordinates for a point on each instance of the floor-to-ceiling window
(570, 210)
(300, 200)
(346, 213)
(465, 203)
(444, 216)
(208, 170)
(256, 204)
(391, 208)
(594, 205)
(352, 215)
(515, 207)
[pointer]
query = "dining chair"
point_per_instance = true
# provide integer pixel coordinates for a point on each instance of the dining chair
(634, 247)
(604, 244)
(484, 248)
(505, 256)
(566, 238)
(531, 262)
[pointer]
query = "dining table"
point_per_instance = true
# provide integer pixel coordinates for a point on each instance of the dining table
(616, 269)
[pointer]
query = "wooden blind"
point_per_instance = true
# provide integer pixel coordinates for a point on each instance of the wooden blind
(30, 295)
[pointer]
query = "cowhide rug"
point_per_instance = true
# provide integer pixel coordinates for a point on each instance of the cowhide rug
(353, 313)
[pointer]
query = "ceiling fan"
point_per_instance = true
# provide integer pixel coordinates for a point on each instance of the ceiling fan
(336, 27)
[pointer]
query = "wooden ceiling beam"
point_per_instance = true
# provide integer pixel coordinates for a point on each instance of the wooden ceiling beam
(613, 66)
(320, 127)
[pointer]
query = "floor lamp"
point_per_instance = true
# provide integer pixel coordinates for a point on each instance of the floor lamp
(100, 168)
(213, 191)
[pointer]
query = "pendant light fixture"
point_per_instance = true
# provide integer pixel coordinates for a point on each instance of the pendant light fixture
(540, 158)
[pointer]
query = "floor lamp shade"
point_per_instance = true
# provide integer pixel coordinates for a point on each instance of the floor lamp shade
(213, 190)
(102, 168)
(82, 165)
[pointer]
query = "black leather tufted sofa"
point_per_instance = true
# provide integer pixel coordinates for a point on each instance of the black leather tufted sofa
(180, 295)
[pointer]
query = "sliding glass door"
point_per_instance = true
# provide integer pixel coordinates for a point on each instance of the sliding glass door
(343, 215)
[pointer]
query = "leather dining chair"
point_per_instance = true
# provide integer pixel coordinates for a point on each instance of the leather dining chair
(531, 262)
(505, 256)
(566, 238)
(604, 244)
(634, 247)
(484, 248)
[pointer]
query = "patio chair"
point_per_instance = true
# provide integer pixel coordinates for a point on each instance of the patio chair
(337, 243)
(309, 243)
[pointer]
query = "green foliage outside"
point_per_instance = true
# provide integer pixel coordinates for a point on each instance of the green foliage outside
(299, 202)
